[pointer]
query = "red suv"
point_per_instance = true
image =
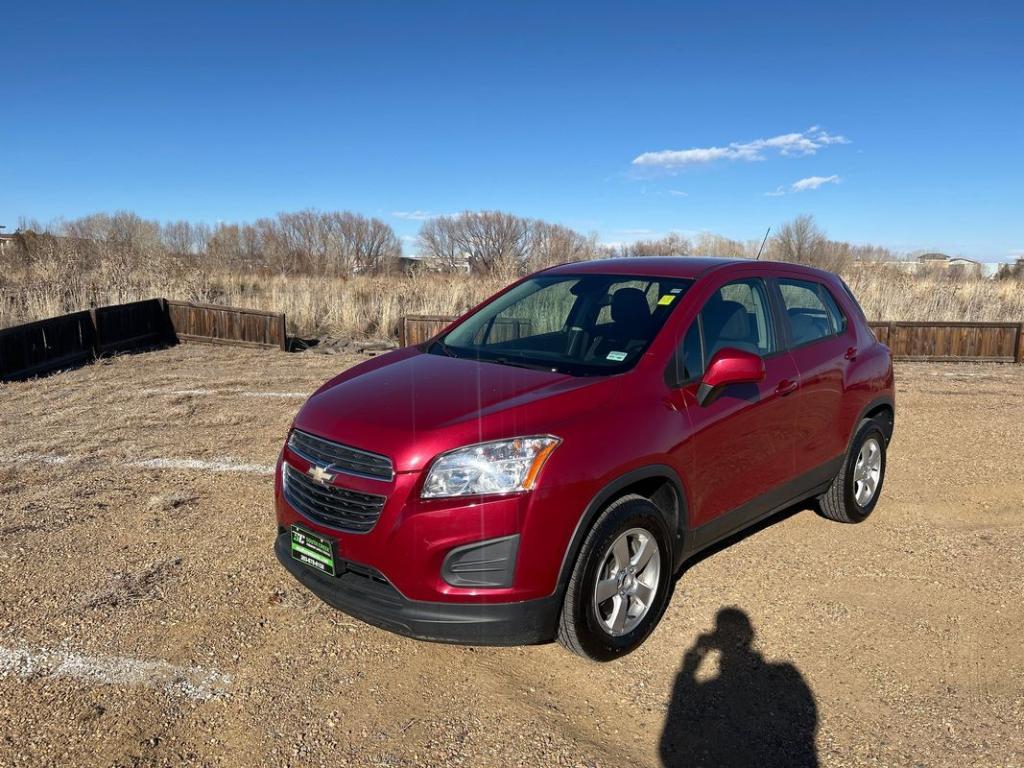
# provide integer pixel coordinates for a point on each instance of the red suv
(546, 465)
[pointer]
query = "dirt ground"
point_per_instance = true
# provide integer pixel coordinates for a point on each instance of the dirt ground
(144, 620)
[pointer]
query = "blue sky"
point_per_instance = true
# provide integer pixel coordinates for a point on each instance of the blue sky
(625, 119)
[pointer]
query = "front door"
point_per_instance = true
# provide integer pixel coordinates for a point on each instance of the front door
(740, 445)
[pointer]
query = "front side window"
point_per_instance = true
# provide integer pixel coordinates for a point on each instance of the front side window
(812, 312)
(736, 316)
(578, 324)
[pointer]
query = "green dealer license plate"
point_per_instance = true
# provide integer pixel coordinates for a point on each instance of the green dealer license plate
(313, 550)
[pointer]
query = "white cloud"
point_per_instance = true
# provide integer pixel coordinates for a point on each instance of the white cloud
(413, 215)
(787, 144)
(678, 193)
(813, 182)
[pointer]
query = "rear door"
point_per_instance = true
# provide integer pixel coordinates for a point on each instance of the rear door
(822, 343)
(741, 447)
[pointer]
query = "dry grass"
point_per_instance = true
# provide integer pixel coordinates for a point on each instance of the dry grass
(364, 306)
(887, 293)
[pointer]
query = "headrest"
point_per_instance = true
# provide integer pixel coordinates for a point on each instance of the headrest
(736, 321)
(726, 320)
(629, 306)
(805, 328)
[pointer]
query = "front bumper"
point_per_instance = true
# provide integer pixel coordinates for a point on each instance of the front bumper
(366, 595)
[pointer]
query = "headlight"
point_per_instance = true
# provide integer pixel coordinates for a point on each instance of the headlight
(501, 466)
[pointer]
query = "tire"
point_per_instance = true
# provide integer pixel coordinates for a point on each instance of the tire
(840, 501)
(603, 630)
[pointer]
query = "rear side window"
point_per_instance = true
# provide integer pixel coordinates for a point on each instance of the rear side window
(812, 312)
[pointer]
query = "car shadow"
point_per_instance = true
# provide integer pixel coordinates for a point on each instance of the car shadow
(751, 713)
(774, 519)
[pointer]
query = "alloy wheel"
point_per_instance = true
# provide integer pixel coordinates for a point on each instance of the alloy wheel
(867, 472)
(627, 581)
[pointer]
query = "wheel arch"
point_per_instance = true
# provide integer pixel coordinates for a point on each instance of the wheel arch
(881, 408)
(657, 482)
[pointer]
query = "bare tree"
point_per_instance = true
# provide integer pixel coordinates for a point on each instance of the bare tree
(551, 244)
(485, 241)
(799, 241)
(437, 242)
(670, 245)
(494, 242)
(501, 244)
(224, 246)
(365, 245)
(710, 244)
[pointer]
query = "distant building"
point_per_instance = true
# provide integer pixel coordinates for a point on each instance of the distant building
(961, 264)
(7, 241)
(410, 264)
(966, 266)
(931, 262)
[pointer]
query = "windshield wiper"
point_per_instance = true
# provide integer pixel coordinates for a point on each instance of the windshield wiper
(522, 364)
(445, 349)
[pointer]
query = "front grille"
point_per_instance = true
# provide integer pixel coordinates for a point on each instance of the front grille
(330, 505)
(342, 458)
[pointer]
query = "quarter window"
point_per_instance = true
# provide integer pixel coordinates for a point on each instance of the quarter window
(835, 314)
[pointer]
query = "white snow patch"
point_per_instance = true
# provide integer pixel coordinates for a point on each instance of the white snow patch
(51, 459)
(227, 392)
(224, 464)
(179, 392)
(216, 465)
(187, 682)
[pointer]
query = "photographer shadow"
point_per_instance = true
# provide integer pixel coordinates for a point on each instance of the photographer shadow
(752, 713)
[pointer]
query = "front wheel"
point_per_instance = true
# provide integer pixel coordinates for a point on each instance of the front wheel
(620, 583)
(855, 490)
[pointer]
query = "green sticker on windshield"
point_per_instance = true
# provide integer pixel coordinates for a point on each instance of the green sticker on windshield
(618, 357)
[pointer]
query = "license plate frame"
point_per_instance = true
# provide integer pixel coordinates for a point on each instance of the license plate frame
(313, 550)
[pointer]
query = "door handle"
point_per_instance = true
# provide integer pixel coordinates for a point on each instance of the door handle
(785, 387)
(851, 353)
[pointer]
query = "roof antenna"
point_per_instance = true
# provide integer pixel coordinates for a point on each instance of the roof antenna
(756, 258)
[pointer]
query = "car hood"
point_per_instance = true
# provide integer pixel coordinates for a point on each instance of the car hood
(410, 405)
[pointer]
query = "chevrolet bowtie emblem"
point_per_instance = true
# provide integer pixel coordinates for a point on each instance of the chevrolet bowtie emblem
(320, 474)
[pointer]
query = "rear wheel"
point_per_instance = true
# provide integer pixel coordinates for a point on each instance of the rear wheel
(855, 490)
(620, 583)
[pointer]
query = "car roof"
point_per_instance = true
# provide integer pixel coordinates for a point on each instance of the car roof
(645, 266)
(689, 267)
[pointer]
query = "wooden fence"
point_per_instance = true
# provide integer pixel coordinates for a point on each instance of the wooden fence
(62, 342)
(953, 342)
(227, 325)
(925, 341)
(46, 345)
(415, 329)
(124, 327)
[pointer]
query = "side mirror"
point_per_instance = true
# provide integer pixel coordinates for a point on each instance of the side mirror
(729, 366)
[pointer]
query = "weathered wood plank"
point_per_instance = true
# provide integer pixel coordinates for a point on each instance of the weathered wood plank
(226, 325)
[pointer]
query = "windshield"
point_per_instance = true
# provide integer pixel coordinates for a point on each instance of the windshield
(583, 325)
